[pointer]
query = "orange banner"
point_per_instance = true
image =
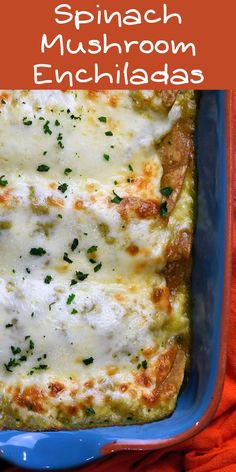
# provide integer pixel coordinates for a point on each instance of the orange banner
(89, 44)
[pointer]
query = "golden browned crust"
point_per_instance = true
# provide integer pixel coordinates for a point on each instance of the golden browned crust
(175, 151)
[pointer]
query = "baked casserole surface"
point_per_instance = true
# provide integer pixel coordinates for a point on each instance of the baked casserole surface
(96, 224)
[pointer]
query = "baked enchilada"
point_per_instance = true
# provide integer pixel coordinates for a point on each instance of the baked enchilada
(96, 223)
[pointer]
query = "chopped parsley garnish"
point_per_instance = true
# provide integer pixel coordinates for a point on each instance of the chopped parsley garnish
(27, 122)
(89, 411)
(67, 259)
(59, 141)
(38, 367)
(57, 123)
(28, 270)
(88, 361)
(163, 209)
(23, 359)
(81, 276)
(144, 364)
(92, 261)
(48, 279)
(106, 157)
(102, 119)
(98, 267)
(70, 299)
(73, 282)
(3, 102)
(67, 171)
(37, 251)
(63, 187)
(43, 168)
(75, 244)
(167, 191)
(73, 117)
(46, 128)
(9, 325)
(15, 350)
(3, 181)
(31, 344)
(74, 311)
(92, 249)
(45, 152)
(116, 199)
(131, 168)
(108, 133)
(12, 363)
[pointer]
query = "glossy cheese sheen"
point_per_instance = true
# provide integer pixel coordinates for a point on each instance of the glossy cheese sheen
(92, 331)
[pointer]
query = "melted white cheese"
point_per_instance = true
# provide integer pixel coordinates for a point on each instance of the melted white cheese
(108, 316)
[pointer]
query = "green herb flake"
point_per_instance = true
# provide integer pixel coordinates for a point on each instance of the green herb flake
(67, 259)
(106, 157)
(57, 123)
(23, 359)
(9, 325)
(92, 249)
(116, 199)
(108, 133)
(88, 361)
(131, 168)
(167, 191)
(43, 168)
(63, 187)
(81, 276)
(70, 299)
(31, 344)
(46, 128)
(73, 117)
(163, 209)
(37, 251)
(98, 267)
(89, 411)
(75, 244)
(15, 350)
(12, 363)
(67, 171)
(38, 367)
(73, 282)
(74, 311)
(3, 102)
(59, 141)
(102, 119)
(3, 181)
(48, 279)
(144, 364)
(27, 122)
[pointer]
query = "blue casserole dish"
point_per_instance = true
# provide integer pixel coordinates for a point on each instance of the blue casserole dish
(210, 301)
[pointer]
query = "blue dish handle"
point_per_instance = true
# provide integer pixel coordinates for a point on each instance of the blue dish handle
(41, 450)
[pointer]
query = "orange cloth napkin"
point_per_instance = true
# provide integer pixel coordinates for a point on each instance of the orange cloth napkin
(214, 449)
